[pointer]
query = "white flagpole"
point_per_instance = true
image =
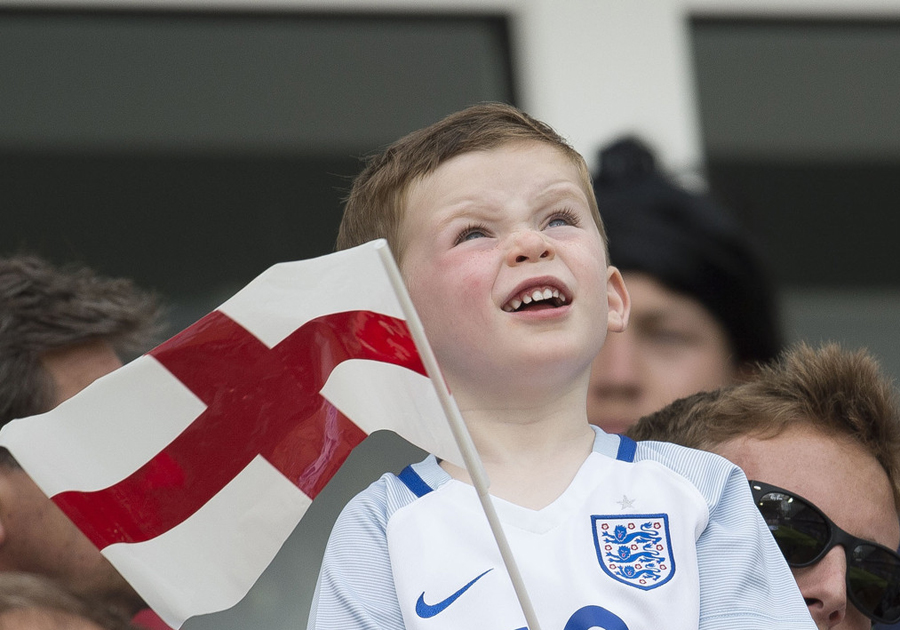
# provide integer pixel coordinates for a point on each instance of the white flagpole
(460, 432)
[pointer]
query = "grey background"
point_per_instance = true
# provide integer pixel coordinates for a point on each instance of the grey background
(193, 150)
(802, 140)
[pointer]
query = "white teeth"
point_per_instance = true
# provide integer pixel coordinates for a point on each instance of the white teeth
(535, 295)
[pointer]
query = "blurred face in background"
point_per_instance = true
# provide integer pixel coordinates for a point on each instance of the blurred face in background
(673, 347)
(45, 619)
(35, 535)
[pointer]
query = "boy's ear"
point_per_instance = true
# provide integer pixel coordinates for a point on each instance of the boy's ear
(618, 300)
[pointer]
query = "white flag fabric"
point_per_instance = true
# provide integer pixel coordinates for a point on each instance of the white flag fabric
(190, 466)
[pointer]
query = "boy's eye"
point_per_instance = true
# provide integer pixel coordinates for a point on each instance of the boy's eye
(471, 233)
(563, 218)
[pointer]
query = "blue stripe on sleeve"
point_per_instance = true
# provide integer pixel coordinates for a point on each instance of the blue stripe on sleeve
(414, 482)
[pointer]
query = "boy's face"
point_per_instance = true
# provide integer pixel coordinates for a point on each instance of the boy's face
(507, 270)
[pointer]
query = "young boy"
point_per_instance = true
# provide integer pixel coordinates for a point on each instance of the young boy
(492, 219)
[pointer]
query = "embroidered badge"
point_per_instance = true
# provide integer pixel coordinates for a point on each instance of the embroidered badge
(635, 549)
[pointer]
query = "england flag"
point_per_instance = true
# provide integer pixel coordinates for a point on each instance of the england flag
(190, 466)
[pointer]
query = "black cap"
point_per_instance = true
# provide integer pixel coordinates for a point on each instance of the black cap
(690, 244)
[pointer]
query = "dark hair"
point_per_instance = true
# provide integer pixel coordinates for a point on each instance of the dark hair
(45, 308)
(838, 391)
(690, 244)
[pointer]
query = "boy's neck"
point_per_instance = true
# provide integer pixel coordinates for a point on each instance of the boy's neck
(530, 452)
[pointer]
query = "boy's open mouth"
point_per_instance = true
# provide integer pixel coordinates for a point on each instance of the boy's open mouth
(536, 298)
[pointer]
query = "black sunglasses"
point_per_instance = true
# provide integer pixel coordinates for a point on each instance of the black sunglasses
(804, 534)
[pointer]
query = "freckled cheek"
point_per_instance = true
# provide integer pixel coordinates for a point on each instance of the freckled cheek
(591, 277)
(584, 253)
(475, 278)
(426, 300)
(437, 298)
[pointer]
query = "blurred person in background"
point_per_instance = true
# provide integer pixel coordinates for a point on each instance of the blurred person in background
(61, 329)
(817, 432)
(703, 308)
(35, 602)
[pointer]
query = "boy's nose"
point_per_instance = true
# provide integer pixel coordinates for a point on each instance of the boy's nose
(824, 587)
(529, 246)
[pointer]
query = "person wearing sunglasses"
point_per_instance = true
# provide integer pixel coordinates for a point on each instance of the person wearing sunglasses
(806, 535)
(817, 432)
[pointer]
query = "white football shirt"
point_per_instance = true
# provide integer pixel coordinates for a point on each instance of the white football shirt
(647, 536)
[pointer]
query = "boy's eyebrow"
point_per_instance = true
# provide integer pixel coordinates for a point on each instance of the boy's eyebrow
(467, 209)
(475, 208)
(563, 189)
(554, 191)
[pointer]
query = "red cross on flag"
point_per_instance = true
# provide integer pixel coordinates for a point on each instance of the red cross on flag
(190, 466)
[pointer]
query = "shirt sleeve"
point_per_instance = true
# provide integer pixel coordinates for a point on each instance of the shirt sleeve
(355, 589)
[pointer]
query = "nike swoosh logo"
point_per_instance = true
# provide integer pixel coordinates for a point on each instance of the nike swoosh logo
(426, 611)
